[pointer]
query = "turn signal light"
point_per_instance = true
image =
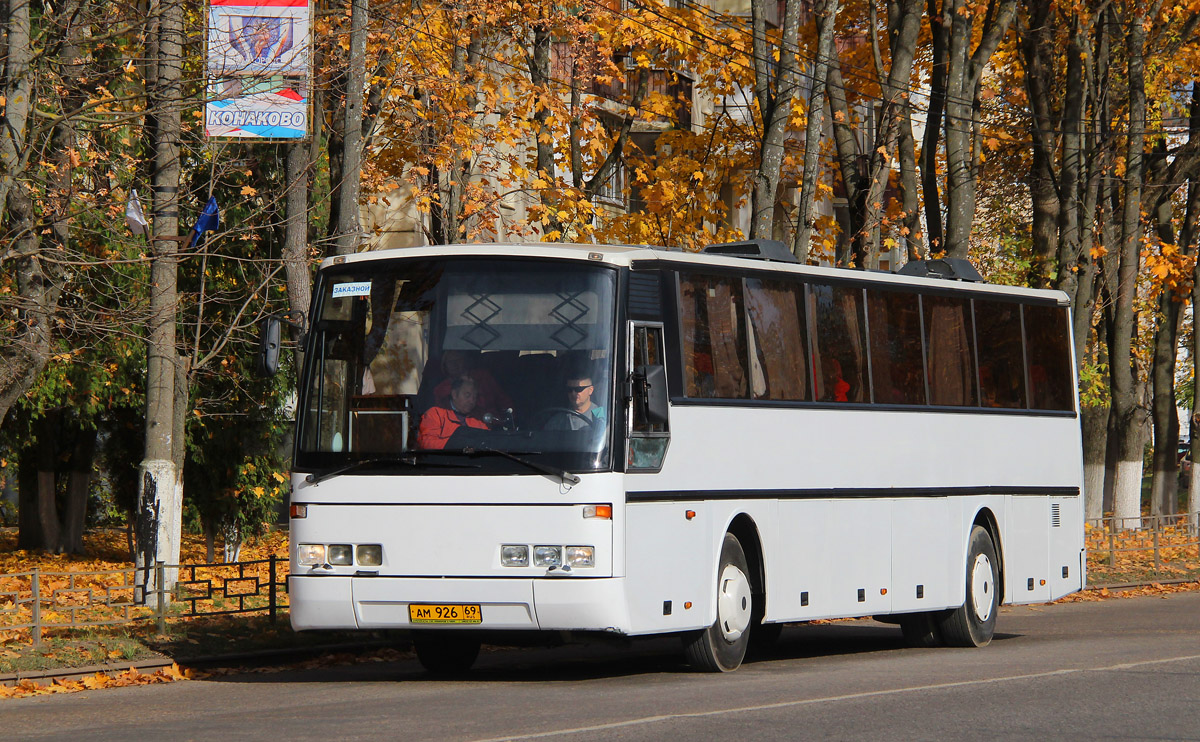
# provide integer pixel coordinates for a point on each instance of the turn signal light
(604, 512)
(298, 511)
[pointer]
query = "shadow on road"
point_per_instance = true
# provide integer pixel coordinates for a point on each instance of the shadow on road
(591, 660)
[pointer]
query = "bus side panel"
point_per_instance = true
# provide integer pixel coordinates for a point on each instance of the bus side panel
(926, 546)
(1066, 546)
(1026, 550)
(798, 571)
(835, 560)
(669, 559)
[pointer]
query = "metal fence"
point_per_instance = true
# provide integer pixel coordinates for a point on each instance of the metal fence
(39, 601)
(1159, 547)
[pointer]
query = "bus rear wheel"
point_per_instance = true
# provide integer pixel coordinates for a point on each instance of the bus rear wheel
(446, 653)
(974, 622)
(722, 646)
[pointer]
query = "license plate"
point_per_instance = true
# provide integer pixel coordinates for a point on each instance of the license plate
(445, 613)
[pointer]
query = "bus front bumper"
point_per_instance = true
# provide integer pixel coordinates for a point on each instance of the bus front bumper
(547, 604)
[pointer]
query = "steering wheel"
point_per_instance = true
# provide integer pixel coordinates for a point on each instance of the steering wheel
(543, 417)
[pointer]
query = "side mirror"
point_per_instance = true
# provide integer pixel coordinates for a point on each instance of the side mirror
(267, 358)
(650, 383)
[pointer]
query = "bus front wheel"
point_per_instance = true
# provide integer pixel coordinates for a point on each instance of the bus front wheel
(722, 646)
(974, 622)
(446, 653)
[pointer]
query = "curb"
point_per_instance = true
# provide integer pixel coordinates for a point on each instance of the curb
(288, 654)
(71, 673)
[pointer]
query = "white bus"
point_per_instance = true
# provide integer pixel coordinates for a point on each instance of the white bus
(658, 442)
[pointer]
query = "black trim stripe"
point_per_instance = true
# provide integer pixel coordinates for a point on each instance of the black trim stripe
(842, 493)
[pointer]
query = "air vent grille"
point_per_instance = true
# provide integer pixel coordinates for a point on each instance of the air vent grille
(1055, 515)
(645, 296)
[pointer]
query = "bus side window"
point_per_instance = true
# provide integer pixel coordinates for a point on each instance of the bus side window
(1001, 363)
(777, 339)
(647, 440)
(949, 351)
(714, 337)
(840, 345)
(1047, 341)
(894, 324)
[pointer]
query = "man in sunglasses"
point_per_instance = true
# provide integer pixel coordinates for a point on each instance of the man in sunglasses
(579, 399)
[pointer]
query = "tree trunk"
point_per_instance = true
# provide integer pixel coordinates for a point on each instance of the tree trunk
(158, 519)
(79, 481)
(1094, 421)
(910, 192)
(825, 16)
(848, 159)
(47, 430)
(939, 30)
(775, 93)
(29, 527)
(964, 76)
(904, 24)
(295, 243)
(1129, 417)
(348, 224)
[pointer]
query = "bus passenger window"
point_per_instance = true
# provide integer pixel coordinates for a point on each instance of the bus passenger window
(1047, 345)
(1001, 355)
(714, 338)
(894, 322)
(840, 357)
(949, 351)
(777, 338)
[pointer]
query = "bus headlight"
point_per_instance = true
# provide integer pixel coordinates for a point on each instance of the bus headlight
(310, 555)
(514, 555)
(547, 556)
(369, 555)
(341, 554)
(581, 556)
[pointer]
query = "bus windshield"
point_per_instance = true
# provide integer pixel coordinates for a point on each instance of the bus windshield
(459, 365)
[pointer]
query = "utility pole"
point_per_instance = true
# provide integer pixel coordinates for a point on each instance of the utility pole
(159, 495)
(349, 229)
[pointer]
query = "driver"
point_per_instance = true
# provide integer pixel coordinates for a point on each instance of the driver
(579, 391)
(439, 423)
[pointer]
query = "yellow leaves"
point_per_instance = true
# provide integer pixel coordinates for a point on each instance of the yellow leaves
(249, 190)
(992, 143)
(258, 491)
(279, 477)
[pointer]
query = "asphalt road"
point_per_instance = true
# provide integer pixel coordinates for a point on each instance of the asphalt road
(1115, 670)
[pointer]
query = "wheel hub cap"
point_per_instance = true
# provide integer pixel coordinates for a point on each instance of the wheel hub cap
(982, 587)
(733, 603)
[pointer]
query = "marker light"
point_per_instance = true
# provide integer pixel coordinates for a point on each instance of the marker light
(547, 556)
(298, 511)
(581, 556)
(342, 554)
(603, 512)
(369, 555)
(310, 555)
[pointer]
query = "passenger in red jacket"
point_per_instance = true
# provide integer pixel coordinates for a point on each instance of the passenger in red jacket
(439, 423)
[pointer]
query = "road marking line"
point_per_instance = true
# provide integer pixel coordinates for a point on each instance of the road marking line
(829, 699)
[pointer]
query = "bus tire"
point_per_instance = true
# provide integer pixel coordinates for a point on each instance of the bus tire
(921, 629)
(974, 622)
(722, 646)
(445, 653)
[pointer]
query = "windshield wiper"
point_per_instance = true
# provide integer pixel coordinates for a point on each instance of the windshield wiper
(409, 460)
(566, 476)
